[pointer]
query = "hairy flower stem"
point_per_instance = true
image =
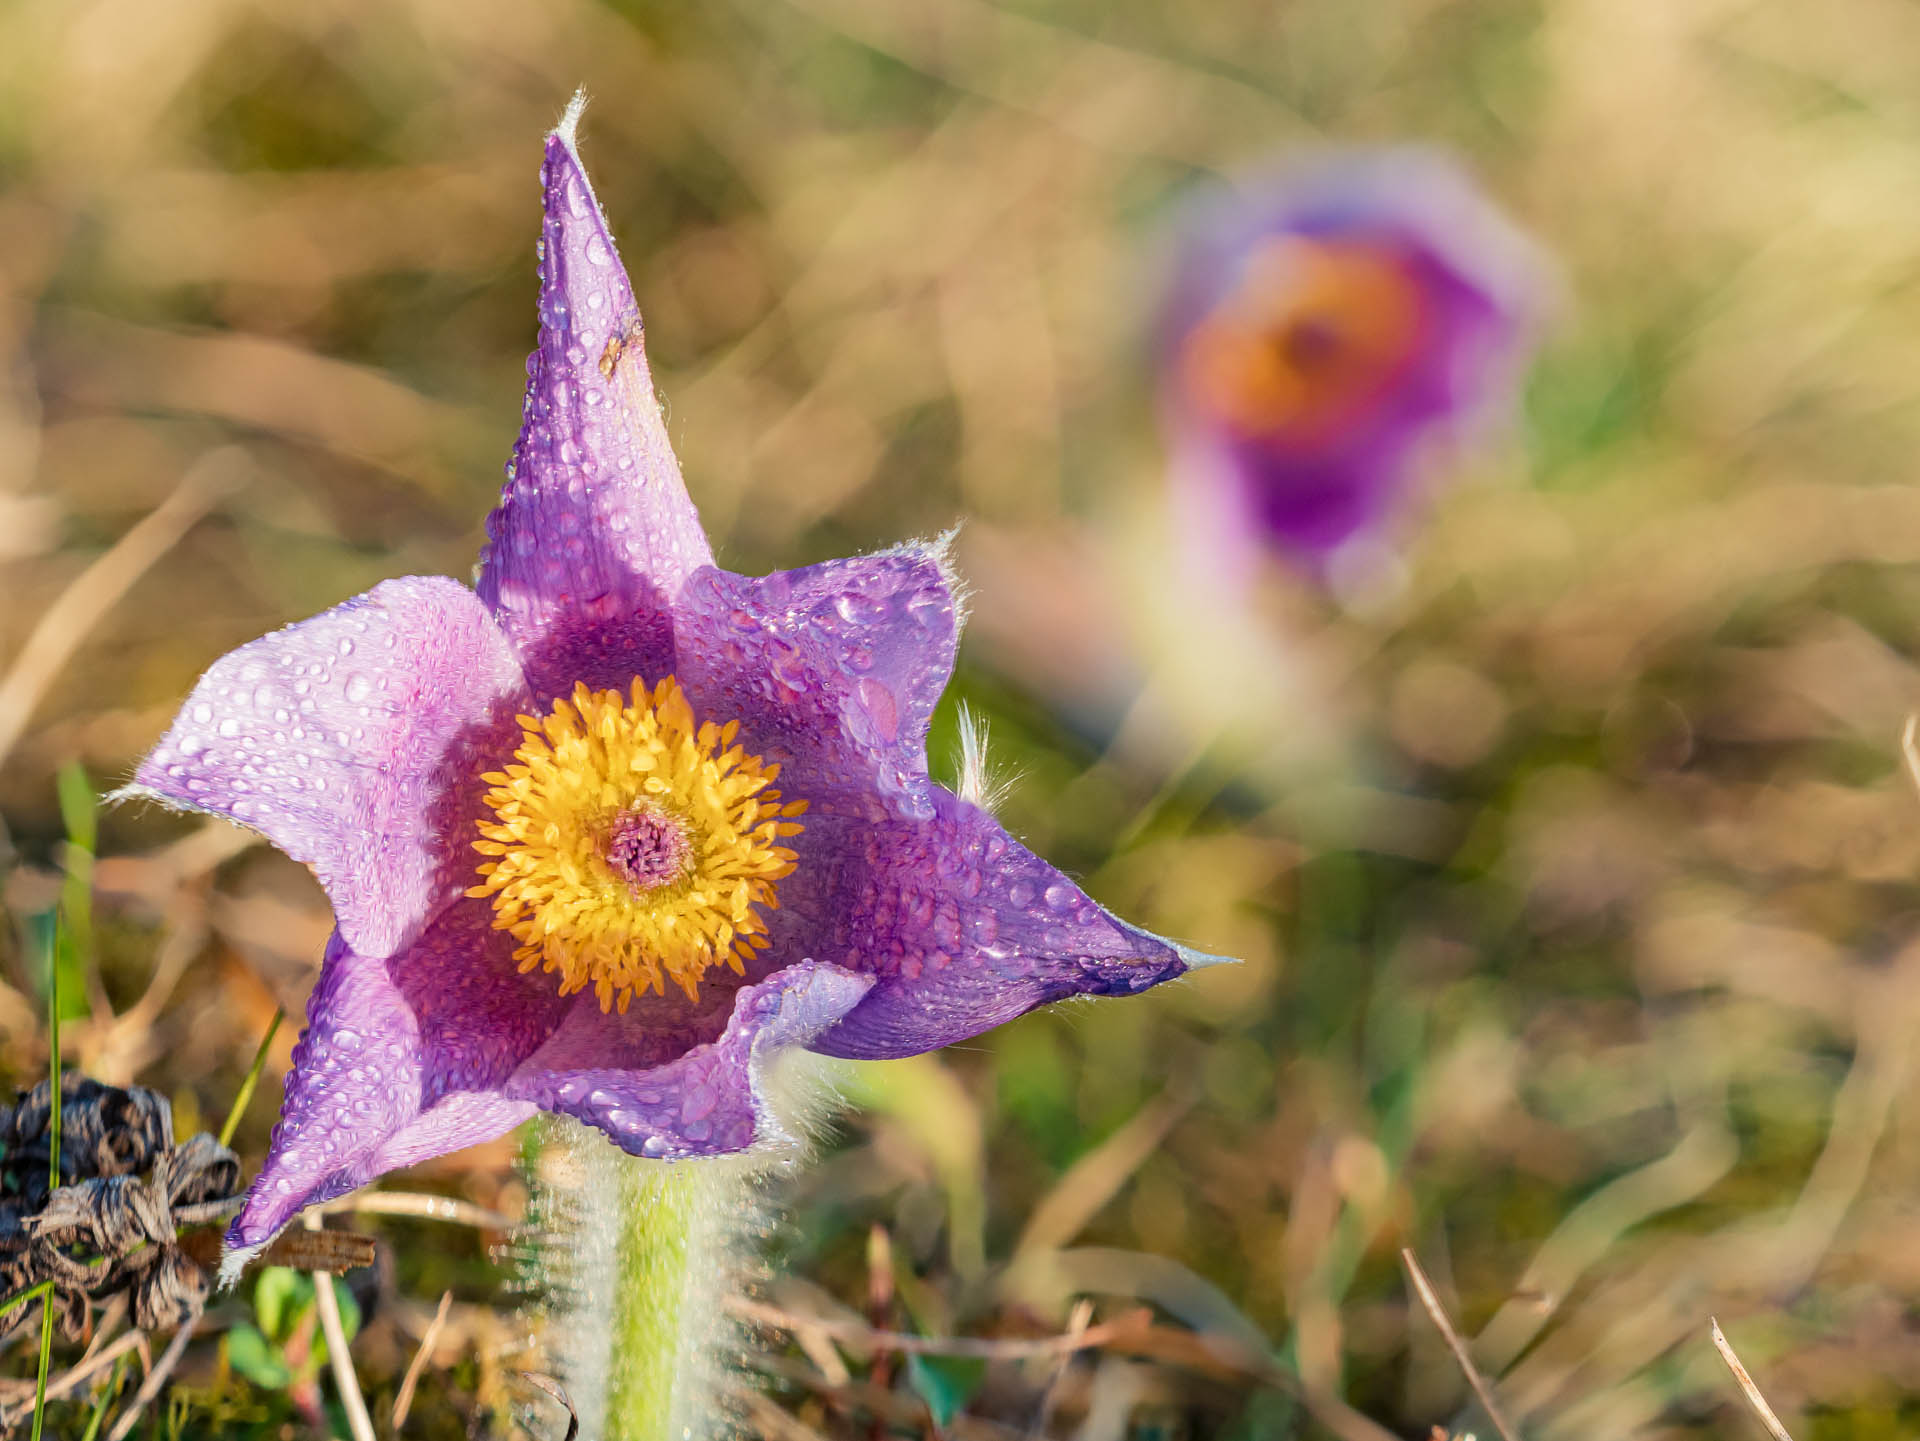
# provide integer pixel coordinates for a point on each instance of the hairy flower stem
(661, 1207)
(635, 1258)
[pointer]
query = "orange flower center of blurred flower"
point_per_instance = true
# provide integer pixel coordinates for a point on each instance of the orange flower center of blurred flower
(1315, 330)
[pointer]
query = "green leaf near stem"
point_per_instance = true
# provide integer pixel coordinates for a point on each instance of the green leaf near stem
(946, 1383)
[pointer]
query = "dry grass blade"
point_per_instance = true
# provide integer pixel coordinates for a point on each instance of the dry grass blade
(84, 1370)
(403, 1403)
(1077, 1324)
(344, 1381)
(93, 593)
(1910, 748)
(1424, 1288)
(771, 1422)
(153, 1385)
(1097, 1177)
(1754, 1398)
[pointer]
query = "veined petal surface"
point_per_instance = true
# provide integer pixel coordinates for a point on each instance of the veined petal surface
(403, 1057)
(697, 1096)
(832, 670)
(962, 928)
(349, 741)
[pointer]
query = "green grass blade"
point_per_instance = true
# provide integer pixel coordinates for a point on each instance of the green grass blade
(53, 1158)
(79, 811)
(245, 1093)
(99, 1415)
(53, 1057)
(32, 1293)
(46, 1352)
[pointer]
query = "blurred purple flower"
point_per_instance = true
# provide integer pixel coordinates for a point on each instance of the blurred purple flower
(1323, 328)
(536, 805)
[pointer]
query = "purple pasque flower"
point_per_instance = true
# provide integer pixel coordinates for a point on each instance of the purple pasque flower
(603, 831)
(1324, 327)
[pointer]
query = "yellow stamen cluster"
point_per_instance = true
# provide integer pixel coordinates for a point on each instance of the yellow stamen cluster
(581, 772)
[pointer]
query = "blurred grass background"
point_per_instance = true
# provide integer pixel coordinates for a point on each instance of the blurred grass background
(1574, 880)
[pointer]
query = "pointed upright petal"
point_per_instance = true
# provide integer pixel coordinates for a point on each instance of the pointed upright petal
(833, 671)
(402, 1058)
(349, 740)
(961, 926)
(595, 532)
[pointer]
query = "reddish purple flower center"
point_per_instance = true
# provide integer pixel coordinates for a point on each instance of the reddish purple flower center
(648, 848)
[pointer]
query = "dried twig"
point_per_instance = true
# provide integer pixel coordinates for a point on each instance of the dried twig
(1077, 1324)
(898, 1407)
(403, 1403)
(1754, 1398)
(1424, 1288)
(985, 1348)
(427, 1207)
(1910, 748)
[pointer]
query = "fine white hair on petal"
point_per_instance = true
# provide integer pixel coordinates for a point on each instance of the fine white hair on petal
(133, 791)
(977, 784)
(569, 127)
(939, 550)
(234, 1260)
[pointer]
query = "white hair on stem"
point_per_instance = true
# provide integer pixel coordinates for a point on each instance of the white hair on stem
(618, 1249)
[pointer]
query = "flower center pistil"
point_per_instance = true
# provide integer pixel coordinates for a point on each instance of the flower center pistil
(628, 845)
(648, 848)
(1315, 330)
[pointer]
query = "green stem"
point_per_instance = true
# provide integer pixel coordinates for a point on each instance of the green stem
(245, 1093)
(661, 1216)
(636, 1259)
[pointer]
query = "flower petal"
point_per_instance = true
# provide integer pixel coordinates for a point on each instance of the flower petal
(348, 741)
(832, 670)
(594, 524)
(403, 1058)
(962, 928)
(707, 1099)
